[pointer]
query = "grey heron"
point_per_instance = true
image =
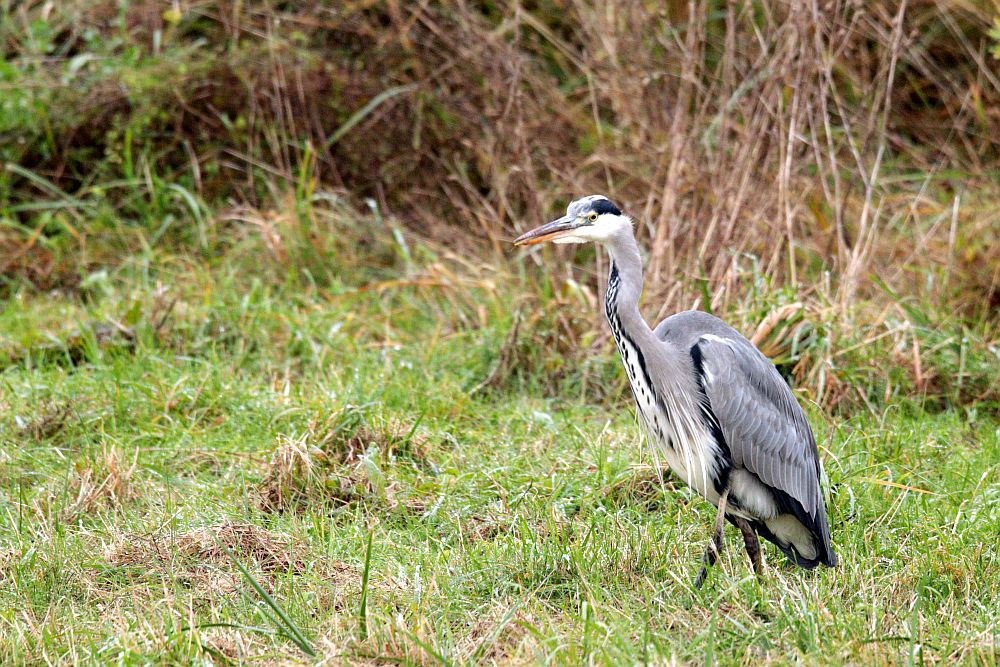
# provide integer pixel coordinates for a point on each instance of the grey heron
(711, 403)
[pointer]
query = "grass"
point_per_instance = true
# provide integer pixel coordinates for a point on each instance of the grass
(248, 420)
(274, 389)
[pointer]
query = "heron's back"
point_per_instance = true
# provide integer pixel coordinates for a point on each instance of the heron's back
(773, 464)
(686, 327)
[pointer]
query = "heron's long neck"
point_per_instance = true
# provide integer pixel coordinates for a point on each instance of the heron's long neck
(625, 287)
(663, 386)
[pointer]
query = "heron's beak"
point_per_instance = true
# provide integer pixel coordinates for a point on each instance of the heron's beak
(549, 232)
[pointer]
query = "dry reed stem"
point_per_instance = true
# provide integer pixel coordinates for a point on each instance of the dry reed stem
(768, 129)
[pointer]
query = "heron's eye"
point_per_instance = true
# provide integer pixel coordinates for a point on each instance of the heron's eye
(592, 217)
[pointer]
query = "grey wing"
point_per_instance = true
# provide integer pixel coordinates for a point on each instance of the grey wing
(763, 424)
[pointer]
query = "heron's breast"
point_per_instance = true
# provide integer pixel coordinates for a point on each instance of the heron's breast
(687, 448)
(690, 456)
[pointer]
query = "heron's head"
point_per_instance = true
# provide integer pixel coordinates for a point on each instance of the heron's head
(591, 218)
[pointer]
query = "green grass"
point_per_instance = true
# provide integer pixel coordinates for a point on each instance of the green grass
(242, 423)
(249, 415)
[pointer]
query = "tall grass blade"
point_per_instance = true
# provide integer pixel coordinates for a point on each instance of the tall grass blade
(363, 112)
(285, 626)
(363, 610)
(197, 212)
(43, 183)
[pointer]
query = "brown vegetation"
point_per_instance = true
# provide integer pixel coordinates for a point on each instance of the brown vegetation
(104, 482)
(769, 128)
(197, 557)
(336, 462)
(845, 151)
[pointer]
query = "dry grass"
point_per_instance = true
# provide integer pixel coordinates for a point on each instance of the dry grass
(776, 129)
(50, 419)
(291, 474)
(337, 461)
(103, 482)
(108, 483)
(500, 635)
(7, 559)
(197, 557)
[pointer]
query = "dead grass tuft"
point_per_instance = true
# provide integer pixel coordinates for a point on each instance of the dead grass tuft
(337, 461)
(198, 560)
(293, 475)
(7, 561)
(50, 419)
(104, 482)
(499, 635)
(231, 645)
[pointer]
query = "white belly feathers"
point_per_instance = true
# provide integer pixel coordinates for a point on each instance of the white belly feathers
(678, 436)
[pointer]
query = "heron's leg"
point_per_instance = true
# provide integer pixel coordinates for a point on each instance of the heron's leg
(751, 543)
(715, 544)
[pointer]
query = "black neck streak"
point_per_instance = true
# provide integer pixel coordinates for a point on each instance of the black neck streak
(621, 337)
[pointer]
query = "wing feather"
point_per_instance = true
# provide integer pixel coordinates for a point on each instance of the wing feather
(766, 430)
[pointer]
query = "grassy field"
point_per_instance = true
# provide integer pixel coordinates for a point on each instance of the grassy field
(182, 417)
(276, 389)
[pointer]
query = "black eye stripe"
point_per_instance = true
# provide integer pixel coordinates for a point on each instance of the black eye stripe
(602, 206)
